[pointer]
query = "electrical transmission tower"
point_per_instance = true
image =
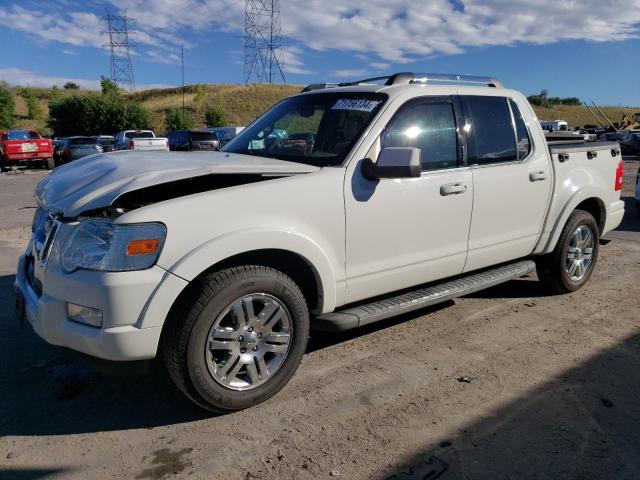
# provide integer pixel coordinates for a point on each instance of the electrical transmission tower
(263, 46)
(121, 65)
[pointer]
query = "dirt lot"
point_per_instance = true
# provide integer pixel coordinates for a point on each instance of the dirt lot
(506, 384)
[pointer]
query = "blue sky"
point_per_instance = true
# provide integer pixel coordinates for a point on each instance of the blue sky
(587, 48)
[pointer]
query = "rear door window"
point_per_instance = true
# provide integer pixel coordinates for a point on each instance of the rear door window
(429, 125)
(492, 130)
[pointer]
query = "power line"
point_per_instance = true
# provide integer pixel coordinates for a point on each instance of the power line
(121, 66)
(263, 44)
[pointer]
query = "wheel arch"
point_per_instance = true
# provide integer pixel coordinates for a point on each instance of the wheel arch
(292, 264)
(587, 199)
(292, 253)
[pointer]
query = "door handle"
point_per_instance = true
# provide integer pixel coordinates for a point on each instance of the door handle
(452, 189)
(537, 176)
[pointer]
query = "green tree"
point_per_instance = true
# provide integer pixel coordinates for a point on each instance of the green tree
(93, 113)
(71, 86)
(135, 116)
(108, 86)
(178, 119)
(571, 101)
(541, 99)
(34, 112)
(215, 117)
(7, 113)
(544, 100)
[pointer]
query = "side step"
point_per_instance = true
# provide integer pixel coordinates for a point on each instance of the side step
(358, 316)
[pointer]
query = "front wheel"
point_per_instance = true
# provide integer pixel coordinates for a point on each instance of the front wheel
(237, 337)
(570, 265)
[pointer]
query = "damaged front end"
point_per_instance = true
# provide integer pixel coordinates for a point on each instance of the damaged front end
(107, 186)
(181, 188)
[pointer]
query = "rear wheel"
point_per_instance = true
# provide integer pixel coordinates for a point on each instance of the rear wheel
(570, 265)
(237, 337)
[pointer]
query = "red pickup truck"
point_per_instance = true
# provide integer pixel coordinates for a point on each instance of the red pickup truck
(25, 146)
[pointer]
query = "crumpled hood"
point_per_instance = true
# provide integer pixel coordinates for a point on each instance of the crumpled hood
(96, 181)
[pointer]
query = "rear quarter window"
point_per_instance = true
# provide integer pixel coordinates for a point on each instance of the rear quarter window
(523, 142)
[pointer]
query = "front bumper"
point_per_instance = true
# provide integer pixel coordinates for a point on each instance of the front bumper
(122, 297)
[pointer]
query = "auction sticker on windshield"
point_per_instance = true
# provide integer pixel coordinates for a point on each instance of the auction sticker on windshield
(360, 105)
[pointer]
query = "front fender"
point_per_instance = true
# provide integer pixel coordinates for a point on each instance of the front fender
(550, 239)
(220, 248)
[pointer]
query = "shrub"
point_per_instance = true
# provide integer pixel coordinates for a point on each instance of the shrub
(34, 112)
(543, 100)
(71, 86)
(7, 114)
(91, 113)
(178, 119)
(215, 117)
(109, 87)
(135, 116)
(201, 95)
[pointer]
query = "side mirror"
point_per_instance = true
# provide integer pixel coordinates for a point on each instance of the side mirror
(394, 162)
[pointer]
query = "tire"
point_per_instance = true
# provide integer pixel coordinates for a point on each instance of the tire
(206, 330)
(554, 269)
(51, 164)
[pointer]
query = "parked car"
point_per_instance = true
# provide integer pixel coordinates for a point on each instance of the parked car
(628, 139)
(638, 190)
(376, 199)
(193, 140)
(25, 147)
(225, 134)
(555, 125)
(74, 148)
(56, 145)
(107, 142)
(140, 140)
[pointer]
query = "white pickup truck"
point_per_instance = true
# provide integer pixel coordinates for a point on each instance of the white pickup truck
(340, 206)
(144, 140)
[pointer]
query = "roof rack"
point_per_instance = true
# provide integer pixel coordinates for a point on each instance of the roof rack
(406, 78)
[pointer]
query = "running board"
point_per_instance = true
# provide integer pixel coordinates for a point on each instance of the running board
(358, 316)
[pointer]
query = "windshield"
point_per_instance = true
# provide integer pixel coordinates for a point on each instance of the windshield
(318, 129)
(106, 141)
(20, 135)
(142, 134)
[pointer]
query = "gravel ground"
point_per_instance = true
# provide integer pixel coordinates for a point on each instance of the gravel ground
(509, 383)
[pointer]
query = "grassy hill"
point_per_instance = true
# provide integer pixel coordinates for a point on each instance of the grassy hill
(243, 103)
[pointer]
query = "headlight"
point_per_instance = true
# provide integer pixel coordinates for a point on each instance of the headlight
(102, 245)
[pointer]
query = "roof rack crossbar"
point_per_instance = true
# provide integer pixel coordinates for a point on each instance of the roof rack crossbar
(405, 78)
